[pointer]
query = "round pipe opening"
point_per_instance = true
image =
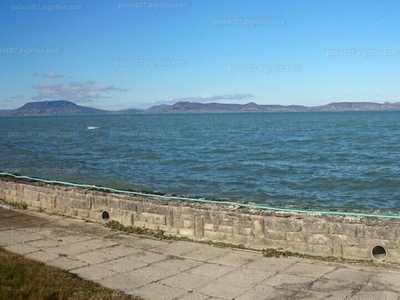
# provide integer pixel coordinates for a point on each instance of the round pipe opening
(105, 216)
(379, 252)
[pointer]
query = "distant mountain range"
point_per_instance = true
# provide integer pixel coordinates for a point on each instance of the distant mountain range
(63, 107)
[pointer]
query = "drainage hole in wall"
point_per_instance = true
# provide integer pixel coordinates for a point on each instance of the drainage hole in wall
(379, 252)
(105, 216)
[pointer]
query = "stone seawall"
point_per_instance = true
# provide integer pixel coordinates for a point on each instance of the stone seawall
(352, 237)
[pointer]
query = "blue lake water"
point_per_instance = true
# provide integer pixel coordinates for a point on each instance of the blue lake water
(329, 159)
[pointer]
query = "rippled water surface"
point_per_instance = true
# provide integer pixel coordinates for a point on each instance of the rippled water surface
(331, 159)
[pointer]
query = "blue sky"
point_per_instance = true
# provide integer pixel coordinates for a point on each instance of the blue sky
(113, 55)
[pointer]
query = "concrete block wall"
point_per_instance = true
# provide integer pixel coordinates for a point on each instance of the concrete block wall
(324, 235)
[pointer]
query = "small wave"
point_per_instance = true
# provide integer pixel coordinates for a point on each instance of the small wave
(92, 127)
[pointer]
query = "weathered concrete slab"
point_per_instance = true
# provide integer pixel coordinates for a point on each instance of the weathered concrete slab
(7, 238)
(309, 270)
(242, 281)
(311, 295)
(96, 257)
(149, 257)
(124, 282)
(175, 264)
(389, 280)
(194, 296)
(21, 248)
(218, 289)
(66, 263)
(236, 258)
(159, 291)
(211, 270)
(205, 253)
(186, 281)
(25, 236)
(93, 272)
(359, 276)
(361, 295)
(266, 292)
(123, 265)
(271, 264)
(146, 243)
(81, 247)
(178, 248)
(42, 256)
(58, 241)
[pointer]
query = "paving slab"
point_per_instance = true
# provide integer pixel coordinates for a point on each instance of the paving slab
(81, 247)
(147, 243)
(103, 255)
(42, 256)
(93, 273)
(219, 289)
(123, 265)
(205, 253)
(7, 238)
(376, 295)
(271, 264)
(242, 280)
(58, 241)
(21, 248)
(193, 296)
(343, 275)
(307, 269)
(24, 236)
(236, 258)
(177, 248)
(290, 281)
(310, 295)
(186, 281)
(339, 288)
(153, 274)
(261, 292)
(159, 291)
(176, 264)
(149, 257)
(124, 282)
(389, 280)
(65, 263)
(211, 270)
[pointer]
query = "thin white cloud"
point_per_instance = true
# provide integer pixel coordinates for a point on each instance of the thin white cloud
(53, 75)
(385, 20)
(74, 91)
(210, 98)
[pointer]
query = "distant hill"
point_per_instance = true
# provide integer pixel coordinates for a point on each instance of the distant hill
(61, 108)
(51, 108)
